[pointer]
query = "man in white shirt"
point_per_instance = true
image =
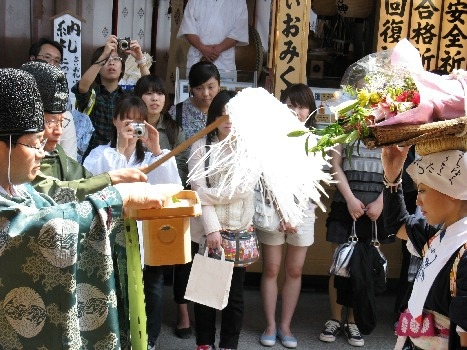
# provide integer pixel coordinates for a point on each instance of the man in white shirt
(214, 28)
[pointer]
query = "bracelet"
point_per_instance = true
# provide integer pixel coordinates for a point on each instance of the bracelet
(392, 185)
(141, 62)
(101, 62)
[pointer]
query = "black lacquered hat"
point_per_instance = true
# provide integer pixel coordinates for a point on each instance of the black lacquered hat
(21, 110)
(52, 85)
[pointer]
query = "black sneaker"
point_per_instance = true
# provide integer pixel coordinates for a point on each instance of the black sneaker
(353, 334)
(331, 329)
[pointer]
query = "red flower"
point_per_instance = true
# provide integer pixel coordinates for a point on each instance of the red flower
(403, 97)
(416, 98)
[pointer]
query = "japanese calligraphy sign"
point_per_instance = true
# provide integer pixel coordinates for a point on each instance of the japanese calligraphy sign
(393, 23)
(437, 28)
(452, 49)
(67, 31)
(424, 30)
(289, 44)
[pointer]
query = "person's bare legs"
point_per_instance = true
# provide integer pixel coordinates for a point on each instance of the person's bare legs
(272, 256)
(294, 260)
(350, 316)
(336, 309)
(183, 318)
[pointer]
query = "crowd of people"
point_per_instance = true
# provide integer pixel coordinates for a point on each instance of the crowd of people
(62, 249)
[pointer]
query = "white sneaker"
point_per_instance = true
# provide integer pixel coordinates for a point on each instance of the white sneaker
(331, 329)
(353, 334)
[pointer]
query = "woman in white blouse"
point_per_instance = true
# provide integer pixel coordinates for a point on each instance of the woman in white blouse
(128, 149)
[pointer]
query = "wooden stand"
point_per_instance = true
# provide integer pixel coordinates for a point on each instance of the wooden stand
(166, 231)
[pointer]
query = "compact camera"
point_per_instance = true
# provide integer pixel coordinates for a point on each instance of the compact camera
(123, 44)
(139, 129)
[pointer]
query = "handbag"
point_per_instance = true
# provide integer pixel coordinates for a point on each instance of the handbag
(340, 265)
(266, 217)
(240, 247)
(209, 281)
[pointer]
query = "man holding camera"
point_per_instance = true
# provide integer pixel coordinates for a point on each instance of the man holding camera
(98, 92)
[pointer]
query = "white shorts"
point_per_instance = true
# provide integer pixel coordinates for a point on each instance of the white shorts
(304, 237)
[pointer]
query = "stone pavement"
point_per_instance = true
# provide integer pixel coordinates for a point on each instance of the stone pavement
(311, 313)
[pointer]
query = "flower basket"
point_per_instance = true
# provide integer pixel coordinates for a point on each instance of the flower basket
(412, 134)
(394, 101)
(441, 144)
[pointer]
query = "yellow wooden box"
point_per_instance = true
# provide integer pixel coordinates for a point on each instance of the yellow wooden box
(166, 231)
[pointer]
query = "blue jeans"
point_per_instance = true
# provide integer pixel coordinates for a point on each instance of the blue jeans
(153, 278)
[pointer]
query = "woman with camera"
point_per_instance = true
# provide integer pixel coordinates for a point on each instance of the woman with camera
(97, 93)
(134, 144)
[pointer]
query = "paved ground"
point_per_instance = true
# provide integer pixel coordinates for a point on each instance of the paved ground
(312, 311)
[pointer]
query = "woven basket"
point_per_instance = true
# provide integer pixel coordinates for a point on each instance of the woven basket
(441, 144)
(408, 134)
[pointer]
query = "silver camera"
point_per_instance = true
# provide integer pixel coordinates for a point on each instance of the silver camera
(139, 129)
(123, 44)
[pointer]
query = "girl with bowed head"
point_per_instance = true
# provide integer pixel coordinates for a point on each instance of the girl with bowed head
(438, 234)
(299, 98)
(204, 80)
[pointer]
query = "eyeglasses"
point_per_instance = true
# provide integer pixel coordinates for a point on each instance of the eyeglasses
(52, 124)
(39, 149)
(114, 58)
(51, 60)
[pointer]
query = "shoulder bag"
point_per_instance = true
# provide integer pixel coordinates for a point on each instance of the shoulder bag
(266, 217)
(340, 265)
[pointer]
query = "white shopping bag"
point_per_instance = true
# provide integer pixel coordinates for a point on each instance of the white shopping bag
(209, 282)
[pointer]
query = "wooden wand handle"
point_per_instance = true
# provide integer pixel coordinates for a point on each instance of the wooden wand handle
(185, 144)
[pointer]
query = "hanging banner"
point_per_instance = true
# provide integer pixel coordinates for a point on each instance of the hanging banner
(394, 20)
(424, 30)
(67, 31)
(290, 43)
(453, 36)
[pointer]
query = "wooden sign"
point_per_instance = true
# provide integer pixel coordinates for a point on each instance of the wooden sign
(291, 23)
(67, 31)
(438, 29)
(425, 27)
(394, 16)
(453, 47)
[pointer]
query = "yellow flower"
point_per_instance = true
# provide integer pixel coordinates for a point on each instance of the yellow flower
(363, 96)
(374, 98)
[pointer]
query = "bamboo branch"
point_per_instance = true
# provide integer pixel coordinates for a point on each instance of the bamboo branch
(185, 144)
